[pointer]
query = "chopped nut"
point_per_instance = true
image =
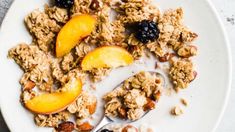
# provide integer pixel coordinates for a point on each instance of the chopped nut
(157, 96)
(122, 112)
(29, 85)
(86, 126)
(187, 51)
(150, 105)
(176, 111)
(65, 127)
(164, 58)
(129, 128)
(195, 75)
(92, 107)
(95, 5)
(184, 101)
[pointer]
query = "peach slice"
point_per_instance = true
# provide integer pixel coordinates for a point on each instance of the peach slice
(105, 57)
(77, 28)
(49, 103)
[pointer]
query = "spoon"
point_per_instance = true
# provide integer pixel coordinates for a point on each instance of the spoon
(108, 120)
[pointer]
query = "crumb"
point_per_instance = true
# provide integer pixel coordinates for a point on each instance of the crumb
(184, 101)
(231, 20)
(157, 65)
(148, 55)
(176, 111)
(93, 87)
(166, 68)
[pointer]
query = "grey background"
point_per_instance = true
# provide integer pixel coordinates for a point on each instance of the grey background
(226, 9)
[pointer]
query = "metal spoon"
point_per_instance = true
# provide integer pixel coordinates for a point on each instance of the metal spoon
(108, 120)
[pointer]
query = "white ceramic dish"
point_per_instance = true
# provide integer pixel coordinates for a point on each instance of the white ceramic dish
(208, 94)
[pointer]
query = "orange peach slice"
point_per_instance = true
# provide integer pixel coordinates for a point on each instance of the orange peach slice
(106, 57)
(49, 103)
(77, 28)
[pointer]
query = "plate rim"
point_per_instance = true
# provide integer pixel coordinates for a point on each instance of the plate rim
(228, 48)
(229, 65)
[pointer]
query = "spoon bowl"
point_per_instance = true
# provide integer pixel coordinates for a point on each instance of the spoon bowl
(106, 120)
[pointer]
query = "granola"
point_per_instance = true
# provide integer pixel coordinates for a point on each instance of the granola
(44, 25)
(115, 26)
(130, 99)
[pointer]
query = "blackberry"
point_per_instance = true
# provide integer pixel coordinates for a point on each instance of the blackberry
(64, 3)
(106, 130)
(146, 31)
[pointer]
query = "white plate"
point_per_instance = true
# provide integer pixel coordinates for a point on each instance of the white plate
(208, 94)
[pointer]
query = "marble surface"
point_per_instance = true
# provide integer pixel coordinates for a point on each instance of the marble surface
(227, 14)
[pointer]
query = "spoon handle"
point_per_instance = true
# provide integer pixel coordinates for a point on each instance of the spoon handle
(105, 121)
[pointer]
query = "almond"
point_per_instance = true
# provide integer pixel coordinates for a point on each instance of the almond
(129, 128)
(65, 127)
(95, 5)
(149, 105)
(122, 113)
(156, 96)
(92, 108)
(166, 57)
(29, 85)
(187, 51)
(85, 127)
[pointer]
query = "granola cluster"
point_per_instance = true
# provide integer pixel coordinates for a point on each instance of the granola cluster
(182, 73)
(45, 73)
(136, 96)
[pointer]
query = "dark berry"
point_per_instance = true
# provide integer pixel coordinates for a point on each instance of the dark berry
(146, 31)
(106, 130)
(64, 3)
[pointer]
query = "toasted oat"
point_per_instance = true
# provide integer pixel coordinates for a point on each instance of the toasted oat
(52, 120)
(99, 74)
(67, 63)
(135, 114)
(111, 108)
(136, 10)
(58, 14)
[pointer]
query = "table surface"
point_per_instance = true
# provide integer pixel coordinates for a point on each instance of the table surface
(227, 14)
